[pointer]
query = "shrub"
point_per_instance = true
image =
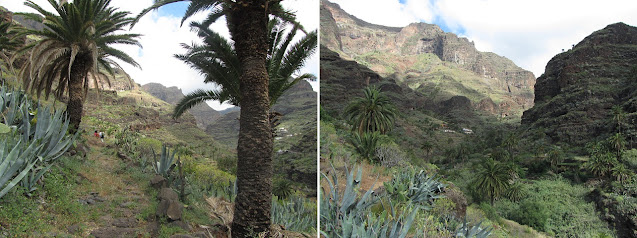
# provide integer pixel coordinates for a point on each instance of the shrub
(390, 156)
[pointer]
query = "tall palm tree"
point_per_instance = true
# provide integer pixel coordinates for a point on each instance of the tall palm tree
(284, 59)
(372, 112)
(618, 143)
(75, 47)
(619, 116)
(247, 22)
(492, 179)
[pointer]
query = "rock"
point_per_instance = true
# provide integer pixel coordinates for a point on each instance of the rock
(113, 232)
(167, 194)
(162, 208)
(153, 228)
(201, 234)
(128, 222)
(174, 210)
(126, 204)
(181, 224)
(73, 229)
(123, 156)
(575, 95)
(158, 182)
(181, 236)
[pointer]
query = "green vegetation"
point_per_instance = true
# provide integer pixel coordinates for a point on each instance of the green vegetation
(35, 140)
(76, 45)
(373, 112)
(283, 61)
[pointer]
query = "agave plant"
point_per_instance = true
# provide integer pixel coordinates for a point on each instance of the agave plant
(50, 130)
(29, 182)
(417, 187)
(336, 207)
(476, 231)
(165, 165)
(39, 139)
(14, 159)
(228, 192)
(294, 214)
(352, 217)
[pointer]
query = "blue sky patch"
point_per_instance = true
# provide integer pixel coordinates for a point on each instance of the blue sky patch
(174, 9)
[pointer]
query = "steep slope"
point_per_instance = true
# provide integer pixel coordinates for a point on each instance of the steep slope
(574, 97)
(424, 58)
(203, 113)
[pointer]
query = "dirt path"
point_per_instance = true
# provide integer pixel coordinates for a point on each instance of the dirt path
(116, 192)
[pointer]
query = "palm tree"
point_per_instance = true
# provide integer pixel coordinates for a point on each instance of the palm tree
(601, 164)
(510, 142)
(8, 42)
(621, 173)
(372, 112)
(247, 22)
(618, 143)
(492, 179)
(555, 157)
(427, 147)
(619, 116)
(284, 59)
(75, 47)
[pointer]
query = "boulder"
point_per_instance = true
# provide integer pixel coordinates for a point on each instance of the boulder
(158, 182)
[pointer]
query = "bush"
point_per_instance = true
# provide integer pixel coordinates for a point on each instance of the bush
(535, 214)
(390, 156)
(228, 164)
(555, 206)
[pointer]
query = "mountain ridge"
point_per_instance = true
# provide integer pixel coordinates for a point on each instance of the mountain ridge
(423, 54)
(574, 96)
(204, 114)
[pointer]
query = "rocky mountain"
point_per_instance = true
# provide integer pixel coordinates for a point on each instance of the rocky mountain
(203, 113)
(574, 96)
(433, 62)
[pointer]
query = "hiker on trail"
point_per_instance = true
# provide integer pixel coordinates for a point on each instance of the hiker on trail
(102, 136)
(95, 134)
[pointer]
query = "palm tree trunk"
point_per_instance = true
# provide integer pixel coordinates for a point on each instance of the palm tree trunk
(254, 150)
(75, 105)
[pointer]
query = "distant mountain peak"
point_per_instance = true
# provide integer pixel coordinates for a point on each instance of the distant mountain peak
(204, 114)
(423, 54)
(574, 96)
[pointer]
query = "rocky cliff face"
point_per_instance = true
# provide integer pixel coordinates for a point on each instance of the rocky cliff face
(203, 113)
(574, 97)
(422, 54)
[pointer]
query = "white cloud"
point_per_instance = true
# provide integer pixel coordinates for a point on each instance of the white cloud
(529, 32)
(532, 32)
(162, 36)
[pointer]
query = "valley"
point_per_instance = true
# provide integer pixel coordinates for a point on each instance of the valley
(462, 143)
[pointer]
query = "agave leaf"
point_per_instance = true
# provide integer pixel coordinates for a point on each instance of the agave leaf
(4, 129)
(16, 180)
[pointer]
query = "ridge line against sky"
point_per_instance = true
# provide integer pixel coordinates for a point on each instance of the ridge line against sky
(162, 36)
(529, 32)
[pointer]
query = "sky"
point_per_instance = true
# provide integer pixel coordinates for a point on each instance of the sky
(162, 36)
(529, 32)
